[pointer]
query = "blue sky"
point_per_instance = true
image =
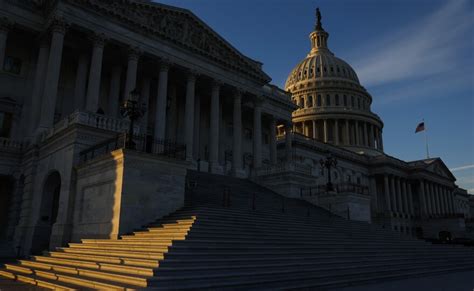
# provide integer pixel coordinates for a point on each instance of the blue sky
(415, 57)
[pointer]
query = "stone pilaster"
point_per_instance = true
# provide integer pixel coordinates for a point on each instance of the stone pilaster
(114, 91)
(81, 82)
(160, 105)
(189, 115)
(132, 67)
(237, 134)
(273, 147)
(214, 129)
(95, 72)
(38, 86)
(257, 136)
(48, 106)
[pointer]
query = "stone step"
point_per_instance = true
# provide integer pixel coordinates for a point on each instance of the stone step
(135, 279)
(149, 248)
(70, 279)
(152, 263)
(239, 277)
(184, 270)
(164, 236)
(225, 262)
(129, 254)
(155, 241)
(208, 254)
(118, 268)
(35, 281)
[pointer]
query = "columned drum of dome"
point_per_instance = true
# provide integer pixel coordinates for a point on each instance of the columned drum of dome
(333, 107)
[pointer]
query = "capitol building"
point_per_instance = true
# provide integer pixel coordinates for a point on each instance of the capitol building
(116, 115)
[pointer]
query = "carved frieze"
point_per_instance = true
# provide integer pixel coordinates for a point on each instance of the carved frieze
(177, 25)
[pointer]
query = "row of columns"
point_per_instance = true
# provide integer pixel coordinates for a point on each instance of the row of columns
(354, 132)
(436, 199)
(87, 89)
(398, 195)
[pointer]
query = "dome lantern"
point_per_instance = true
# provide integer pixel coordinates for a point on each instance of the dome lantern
(319, 36)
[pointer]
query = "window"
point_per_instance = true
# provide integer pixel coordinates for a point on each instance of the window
(332, 69)
(358, 180)
(337, 100)
(12, 65)
(309, 102)
(345, 100)
(325, 70)
(328, 100)
(358, 103)
(266, 138)
(301, 102)
(318, 100)
(352, 101)
(5, 124)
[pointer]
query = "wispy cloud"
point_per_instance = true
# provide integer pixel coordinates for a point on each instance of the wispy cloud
(462, 168)
(427, 50)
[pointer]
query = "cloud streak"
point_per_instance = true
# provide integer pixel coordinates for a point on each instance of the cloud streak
(424, 50)
(462, 168)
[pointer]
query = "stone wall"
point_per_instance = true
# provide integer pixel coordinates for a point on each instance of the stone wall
(123, 191)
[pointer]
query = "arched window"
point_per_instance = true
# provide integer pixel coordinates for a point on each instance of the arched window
(318, 100)
(328, 100)
(301, 102)
(337, 100)
(309, 101)
(345, 100)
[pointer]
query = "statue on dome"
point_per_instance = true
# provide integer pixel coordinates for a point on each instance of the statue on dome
(319, 17)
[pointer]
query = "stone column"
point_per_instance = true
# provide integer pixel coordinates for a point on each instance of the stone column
(237, 134)
(305, 128)
(160, 105)
(366, 139)
(347, 138)
(144, 99)
(325, 124)
(423, 200)
(273, 147)
(95, 72)
(172, 116)
(48, 106)
(381, 139)
(371, 136)
(336, 132)
(373, 192)
(357, 132)
(393, 194)
(429, 199)
(315, 130)
(214, 129)
(197, 128)
(38, 86)
(440, 199)
(81, 82)
(451, 201)
(288, 143)
(257, 134)
(387, 193)
(399, 196)
(132, 67)
(410, 198)
(4, 27)
(114, 92)
(405, 197)
(189, 115)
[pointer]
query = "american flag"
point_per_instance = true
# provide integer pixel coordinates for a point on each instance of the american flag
(420, 127)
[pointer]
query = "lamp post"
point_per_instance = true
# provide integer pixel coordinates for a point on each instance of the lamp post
(328, 163)
(133, 110)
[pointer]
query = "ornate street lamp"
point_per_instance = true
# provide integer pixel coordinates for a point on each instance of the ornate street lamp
(133, 110)
(328, 163)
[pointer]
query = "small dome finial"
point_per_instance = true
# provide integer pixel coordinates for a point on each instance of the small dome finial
(319, 25)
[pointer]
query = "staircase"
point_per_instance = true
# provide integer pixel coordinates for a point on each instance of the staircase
(253, 242)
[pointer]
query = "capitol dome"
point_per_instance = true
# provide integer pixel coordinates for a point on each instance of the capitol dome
(333, 107)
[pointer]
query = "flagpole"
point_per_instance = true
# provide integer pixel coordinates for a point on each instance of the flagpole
(426, 140)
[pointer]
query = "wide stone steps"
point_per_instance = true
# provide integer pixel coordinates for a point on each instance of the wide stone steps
(117, 265)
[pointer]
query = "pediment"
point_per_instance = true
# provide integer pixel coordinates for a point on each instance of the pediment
(436, 166)
(179, 26)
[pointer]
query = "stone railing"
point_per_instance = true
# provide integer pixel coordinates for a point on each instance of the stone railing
(11, 144)
(89, 119)
(283, 168)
